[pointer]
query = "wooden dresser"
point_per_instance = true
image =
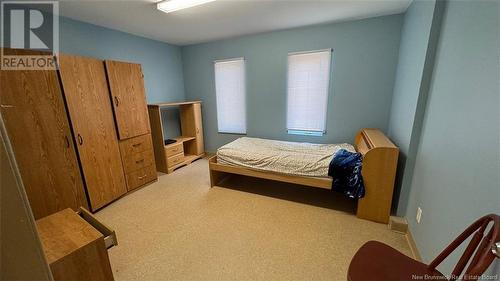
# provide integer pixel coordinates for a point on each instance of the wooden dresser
(75, 246)
(138, 161)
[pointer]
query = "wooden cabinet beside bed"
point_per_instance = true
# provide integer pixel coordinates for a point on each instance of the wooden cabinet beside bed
(380, 157)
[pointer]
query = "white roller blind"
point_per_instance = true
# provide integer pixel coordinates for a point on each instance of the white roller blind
(307, 97)
(230, 92)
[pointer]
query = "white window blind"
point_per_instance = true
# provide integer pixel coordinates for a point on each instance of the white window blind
(230, 92)
(307, 97)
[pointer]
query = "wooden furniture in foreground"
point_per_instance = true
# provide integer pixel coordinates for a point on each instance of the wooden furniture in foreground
(189, 146)
(380, 158)
(126, 83)
(75, 246)
(21, 254)
(377, 261)
(87, 97)
(32, 107)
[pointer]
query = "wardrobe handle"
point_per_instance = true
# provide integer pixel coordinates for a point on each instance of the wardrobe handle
(66, 139)
(139, 161)
(117, 101)
(80, 139)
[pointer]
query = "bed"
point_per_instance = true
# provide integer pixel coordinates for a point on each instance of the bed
(307, 164)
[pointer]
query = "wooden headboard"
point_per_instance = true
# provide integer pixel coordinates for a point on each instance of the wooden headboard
(369, 138)
(380, 160)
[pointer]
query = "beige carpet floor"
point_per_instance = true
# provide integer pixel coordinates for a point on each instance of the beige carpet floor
(247, 229)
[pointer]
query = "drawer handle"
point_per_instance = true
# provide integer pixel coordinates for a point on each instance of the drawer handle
(117, 101)
(137, 144)
(143, 177)
(139, 161)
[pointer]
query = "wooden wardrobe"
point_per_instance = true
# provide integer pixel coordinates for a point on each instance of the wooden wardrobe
(32, 106)
(89, 107)
(73, 146)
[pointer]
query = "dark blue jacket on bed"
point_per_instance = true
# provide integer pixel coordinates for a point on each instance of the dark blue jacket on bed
(345, 169)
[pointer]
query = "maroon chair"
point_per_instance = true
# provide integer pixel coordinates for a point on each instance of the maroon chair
(377, 261)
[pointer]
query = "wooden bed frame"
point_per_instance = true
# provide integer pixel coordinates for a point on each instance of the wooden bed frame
(380, 157)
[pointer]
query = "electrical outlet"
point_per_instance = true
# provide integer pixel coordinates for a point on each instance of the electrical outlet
(419, 214)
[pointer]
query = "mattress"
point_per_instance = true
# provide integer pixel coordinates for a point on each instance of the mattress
(294, 158)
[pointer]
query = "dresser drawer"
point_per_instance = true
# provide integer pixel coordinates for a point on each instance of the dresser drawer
(136, 144)
(140, 177)
(109, 234)
(175, 160)
(137, 161)
(174, 149)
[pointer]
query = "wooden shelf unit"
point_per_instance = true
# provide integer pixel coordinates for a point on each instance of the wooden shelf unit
(189, 146)
(180, 139)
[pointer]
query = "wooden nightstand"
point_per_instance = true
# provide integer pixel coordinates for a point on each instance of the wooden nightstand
(75, 245)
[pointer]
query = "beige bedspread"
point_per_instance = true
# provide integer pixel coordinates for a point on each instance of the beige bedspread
(305, 159)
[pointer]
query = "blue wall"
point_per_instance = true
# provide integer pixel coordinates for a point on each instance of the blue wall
(364, 63)
(415, 37)
(456, 177)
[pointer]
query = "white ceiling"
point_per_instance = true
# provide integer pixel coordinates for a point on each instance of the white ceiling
(223, 18)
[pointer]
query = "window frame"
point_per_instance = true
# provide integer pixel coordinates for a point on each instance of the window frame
(244, 93)
(330, 74)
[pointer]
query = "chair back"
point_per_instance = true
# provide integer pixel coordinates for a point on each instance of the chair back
(482, 246)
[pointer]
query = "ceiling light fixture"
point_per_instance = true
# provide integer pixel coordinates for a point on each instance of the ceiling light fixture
(175, 5)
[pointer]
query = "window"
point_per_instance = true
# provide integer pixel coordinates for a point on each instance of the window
(307, 96)
(230, 92)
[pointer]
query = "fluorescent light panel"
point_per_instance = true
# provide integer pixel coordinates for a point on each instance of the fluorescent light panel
(175, 5)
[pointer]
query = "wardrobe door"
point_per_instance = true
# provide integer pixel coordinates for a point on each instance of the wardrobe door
(129, 100)
(32, 107)
(87, 98)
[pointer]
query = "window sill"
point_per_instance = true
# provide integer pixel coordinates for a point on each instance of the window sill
(306, 133)
(229, 133)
